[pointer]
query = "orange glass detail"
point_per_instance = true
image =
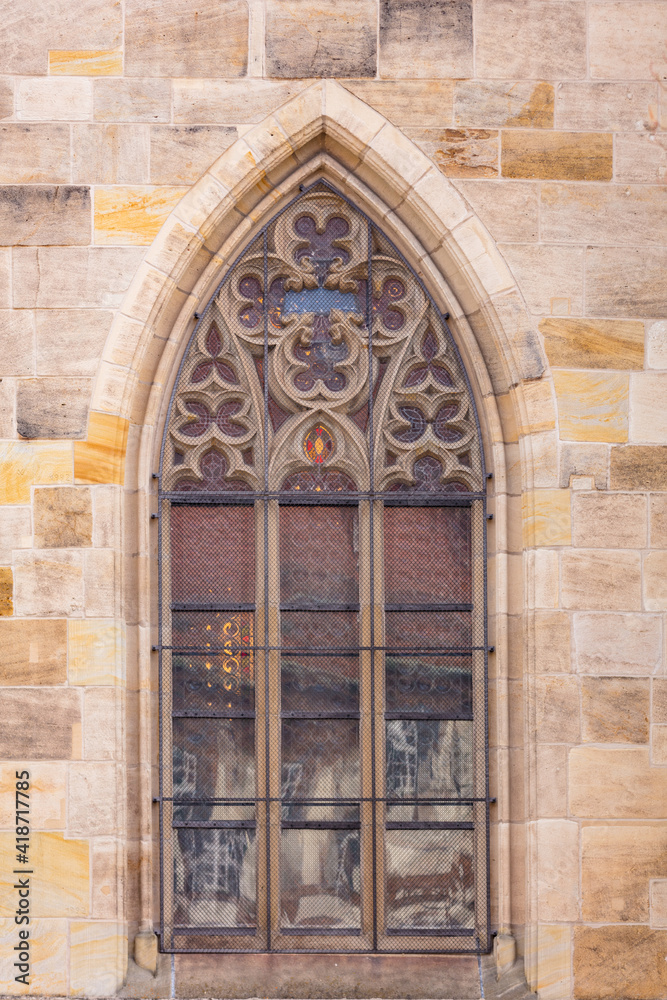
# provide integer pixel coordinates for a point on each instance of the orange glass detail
(318, 445)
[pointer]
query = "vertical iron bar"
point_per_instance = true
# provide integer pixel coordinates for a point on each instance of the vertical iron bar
(371, 502)
(267, 727)
(485, 681)
(160, 716)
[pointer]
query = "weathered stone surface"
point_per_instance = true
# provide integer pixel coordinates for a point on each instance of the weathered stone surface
(52, 407)
(534, 40)
(101, 457)
(5, 273)
(48, 787)
(616, 783)
(626, 281)
(102, 724)
(15, 531)
(6, 592)
(63, 517)
(132, 100)
(110, 154)
(86, 62)
(76, 277)
(459, 152)
(48, 582)
(601, 580)
(609, 520)
(617, 644)
(659, 699)
(8, 408)
(100, 582)
(105, 862)
(207, 42)
(92, 782)
(557, 869)
(617, 862)
(637, 467)
(509, 211)
(95, 652)
(593, 343)
(492, 103)
(603, 213)
(33, 652)
(407, 103)
(132, 215)
(548, 276)
(326, 40)
(655, 580)
(48, 956)
(546, 517)
(51, 855)
(604, 107)
(552, 642)
(54, 99)
(6, 97)
(55, 24)
(626, 43)
(17, 342)
(658, 903)
(551, 773)
(527, 358)
(40, 724)
(575, 156)
(619, 963)
(592, 406)
(656, 345)
(34, 154)
(640, 157)
(44, 216)
(615, 709)
(556, 709)
(98, 952)
(181, 153)
(430, 38)
(58, 329)
(658, 521)
(648, 408)
(553, 945)
(24, 465)
(228, 102)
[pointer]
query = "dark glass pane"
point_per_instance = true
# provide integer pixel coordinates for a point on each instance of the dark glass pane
(429, 684)
(319, 555)
(320, 879)
(428, 629)
(215, 878)
(309, 630)
(212, 554)
(427, 555)
(216, 630)
(320, 759)
(429, 812)
(320, 683)
(428, 759)
(213, 682)
(429, 880)
(213, 758)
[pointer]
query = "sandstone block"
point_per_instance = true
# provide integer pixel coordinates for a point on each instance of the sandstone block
(415, 103)
(230, 102)
(659, 745)
(554, 973)
(575, 156)
(615, 709)
(625, 43)
(58, 329)
(626, 281)
(52, 407)
(459, 152)
(429, 39)
(592, 406)
(617, 644)
(531, 41)
(33, 652)
(648, 408)
(658, 902)
(100, 582)
(96, 650)
(640, 157)
(601, 580)
(618, 860)
(326, 40)
(63, 517)
(86, 62)
(102, 724)
(6, 97)
(54, 99)
(602, 213)
(53, 895)
(48, 582)
(609, 520)
(601, 107)
(15, 531)
(40, 724)
(658, 521)
(101, 457)
(659, 699)
(180, 154)
(6, 592)
(509, 211)
(107, 532)
(551, 772)
(48, 795)
(5, 277)
(557, 869)
(73, 277)
(98, 957)
(8, 408)
(612, 783)
(132, 100)
(593, 343)
(655, 580)
(48, 956)
(557, 709)
(547, 275)
(637, 467)
(132, 215)
(546, 517)
(93, 782)
(211, 41)
(106, 859)
(96, 23)
(34, 154)
(16, 342)
(25, 464)
(44, 216)
(493, 103)
(619, 962)
(110, 154)
(546, 579)
(656, 345)
(552, 641)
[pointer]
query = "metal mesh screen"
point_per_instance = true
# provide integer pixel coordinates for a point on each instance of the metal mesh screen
(322, 609)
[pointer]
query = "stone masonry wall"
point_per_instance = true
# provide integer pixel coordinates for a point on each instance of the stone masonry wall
(549, 118)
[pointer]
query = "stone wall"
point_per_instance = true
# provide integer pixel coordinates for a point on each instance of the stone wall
(517, 148)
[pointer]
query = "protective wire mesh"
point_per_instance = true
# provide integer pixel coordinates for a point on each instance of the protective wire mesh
(322, 596)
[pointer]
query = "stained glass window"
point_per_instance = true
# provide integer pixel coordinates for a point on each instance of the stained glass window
(322, 602)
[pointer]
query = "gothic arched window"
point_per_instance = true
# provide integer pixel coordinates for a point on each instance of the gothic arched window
(322, 608)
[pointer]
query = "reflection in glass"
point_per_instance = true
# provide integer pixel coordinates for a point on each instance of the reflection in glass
(215, 878)
(320, 879)
(427, 555)
(212, 554)
(428, 629)
(216, 682)
(429, 684)
(319, 555)
(320, 761)
(429, 880)
(320, 684)
(432, 758)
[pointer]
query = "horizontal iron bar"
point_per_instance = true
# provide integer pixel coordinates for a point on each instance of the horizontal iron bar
(195, 606)
(428, 716)
(248, 801)
(426, 825)
(324, 650)
(214, 824)
(319, 607)
(324, 824)
(430, 932)
(233, 498)
(320, 715)
(229, 713)
(321, 931)
(429, 607)
(215, 931)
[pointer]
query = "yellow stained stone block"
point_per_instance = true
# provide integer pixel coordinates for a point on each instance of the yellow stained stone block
(538, 412)
(95, 651)
(554, 961)
(546, 518)
(133, 215)
(48, 795)
(594, 343)
(6, 592)
(24, 464)
(86, 62)
(48, 957)
(98, 957)
(60, 882)
(101, 457)
(592, 406)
